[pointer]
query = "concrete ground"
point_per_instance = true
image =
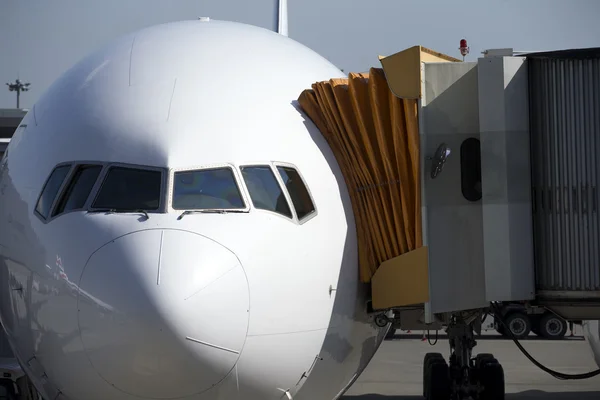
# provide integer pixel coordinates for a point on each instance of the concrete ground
(396, 371)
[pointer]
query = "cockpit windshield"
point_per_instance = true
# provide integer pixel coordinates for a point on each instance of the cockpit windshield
(206, 189)
(130, 189)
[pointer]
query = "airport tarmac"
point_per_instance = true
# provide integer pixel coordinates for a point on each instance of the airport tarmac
(396, 371)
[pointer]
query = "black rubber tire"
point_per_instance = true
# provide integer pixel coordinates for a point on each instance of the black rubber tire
(427, 360)
(491, 377)
(439, 381)
(550, 321)
(8, 389)
(482, 357)
(521, 320)
(26, 389)
(480, 360)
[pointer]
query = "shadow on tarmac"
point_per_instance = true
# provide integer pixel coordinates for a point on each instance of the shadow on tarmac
(481, 337)
(527, 395)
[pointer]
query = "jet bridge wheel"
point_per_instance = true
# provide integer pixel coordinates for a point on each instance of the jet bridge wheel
(519, 324)
(552, 326)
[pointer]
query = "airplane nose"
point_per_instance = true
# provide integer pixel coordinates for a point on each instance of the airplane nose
(163, 313)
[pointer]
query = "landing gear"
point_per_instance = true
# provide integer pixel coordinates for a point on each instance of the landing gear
(463, 376)
(26, 389)
(7, 389)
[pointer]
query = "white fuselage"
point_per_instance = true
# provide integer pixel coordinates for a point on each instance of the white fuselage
(238, 305)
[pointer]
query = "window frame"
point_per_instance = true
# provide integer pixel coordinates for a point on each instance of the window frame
(294, 217)
(105, 165)
(59, 193)
(69, 180)
(470, 167)
(237, 175)
(102, 178)
(313, 214)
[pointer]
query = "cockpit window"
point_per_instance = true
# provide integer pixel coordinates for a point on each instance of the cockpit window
(79, 188)
(206, 189)
(297, 190)
(130, 189)
(265, 192)
(51, 189)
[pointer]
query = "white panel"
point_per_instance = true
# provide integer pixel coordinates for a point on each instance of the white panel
(454, 225)
(505, 175)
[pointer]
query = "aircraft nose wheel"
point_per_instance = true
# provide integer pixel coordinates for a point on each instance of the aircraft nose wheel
(490, 375)
(484, 379)
(462, 377)
(436, 377)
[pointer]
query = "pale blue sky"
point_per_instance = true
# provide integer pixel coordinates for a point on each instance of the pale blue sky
(40, 39)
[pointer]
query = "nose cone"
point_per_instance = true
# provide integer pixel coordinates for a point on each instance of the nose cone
(163, 313)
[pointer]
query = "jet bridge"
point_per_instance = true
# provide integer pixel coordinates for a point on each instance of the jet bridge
(10, 118)
(472, 183)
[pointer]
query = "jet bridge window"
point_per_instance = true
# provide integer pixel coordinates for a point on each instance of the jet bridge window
(265, 191)
(78, 189)
(470, 169)
(206, 189)
(126, 188)
(298, 191)
(50, 190)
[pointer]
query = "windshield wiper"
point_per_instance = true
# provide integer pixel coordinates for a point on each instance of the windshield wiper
(116, 211)
(209, 211)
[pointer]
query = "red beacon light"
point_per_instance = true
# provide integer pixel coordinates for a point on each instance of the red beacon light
(464, 48)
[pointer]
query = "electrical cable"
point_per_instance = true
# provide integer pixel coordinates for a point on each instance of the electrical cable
(557, 375)
(429, 339)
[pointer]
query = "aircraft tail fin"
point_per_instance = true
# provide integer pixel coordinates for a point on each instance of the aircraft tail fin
(282, 26)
